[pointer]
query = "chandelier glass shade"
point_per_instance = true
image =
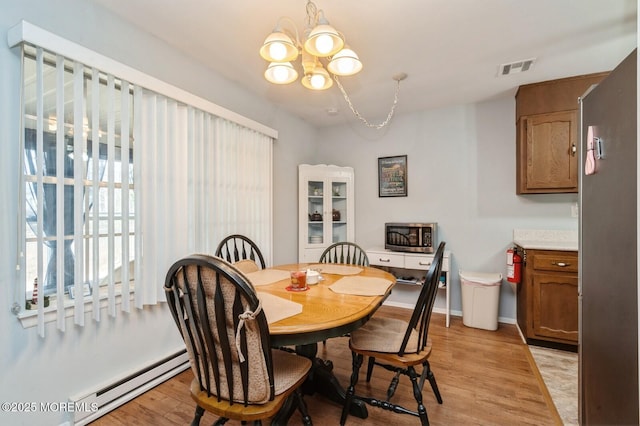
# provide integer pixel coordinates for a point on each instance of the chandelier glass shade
(278, 47)
(281, 73)
(321, 40)
(345, 63)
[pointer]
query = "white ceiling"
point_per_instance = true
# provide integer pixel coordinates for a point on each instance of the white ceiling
(450, 49)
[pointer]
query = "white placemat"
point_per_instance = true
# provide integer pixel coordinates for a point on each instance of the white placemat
(337, 269)
(361, 286)
(276, 308)
(267, 276)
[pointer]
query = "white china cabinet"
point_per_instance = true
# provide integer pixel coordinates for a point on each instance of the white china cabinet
(326, 208)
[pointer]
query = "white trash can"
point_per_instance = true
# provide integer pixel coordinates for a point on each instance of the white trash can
(480, 299)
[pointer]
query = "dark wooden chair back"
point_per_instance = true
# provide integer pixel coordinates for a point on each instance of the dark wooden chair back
(237, 247)
(424, 306)
(225, 331)
(345, 252)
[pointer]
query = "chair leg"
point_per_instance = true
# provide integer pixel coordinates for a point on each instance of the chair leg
(302, 407)
(432, 380)
(356, 364)
(417, 394)
(393, 385)
(220, 421)
(370, 365)
(198, 415)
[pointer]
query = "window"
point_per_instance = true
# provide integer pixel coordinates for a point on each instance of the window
(78, 161)
(123, 174)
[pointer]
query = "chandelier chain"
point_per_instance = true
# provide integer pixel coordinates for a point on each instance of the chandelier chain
(357, 113)
(312, 13)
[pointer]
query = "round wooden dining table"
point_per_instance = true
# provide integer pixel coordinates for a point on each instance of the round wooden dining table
(325, 314)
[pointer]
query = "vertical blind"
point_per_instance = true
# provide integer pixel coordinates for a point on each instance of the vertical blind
(201, 178)
(140, 179)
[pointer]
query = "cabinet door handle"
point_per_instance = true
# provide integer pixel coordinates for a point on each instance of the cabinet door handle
(421, 263)
(560, 264)
(384, 260)
(573, 150)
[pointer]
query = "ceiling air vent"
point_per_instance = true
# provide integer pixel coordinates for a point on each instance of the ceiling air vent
(516, 67)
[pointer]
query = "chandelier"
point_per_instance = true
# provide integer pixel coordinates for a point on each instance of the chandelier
(321, 43)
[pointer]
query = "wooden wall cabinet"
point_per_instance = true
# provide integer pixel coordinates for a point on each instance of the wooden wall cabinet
(546, 134)
(548, 297)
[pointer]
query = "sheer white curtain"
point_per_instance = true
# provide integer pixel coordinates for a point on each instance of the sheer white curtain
(201, 178)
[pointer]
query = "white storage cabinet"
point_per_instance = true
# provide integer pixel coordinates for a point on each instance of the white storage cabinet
(410, 269)
(326, 208)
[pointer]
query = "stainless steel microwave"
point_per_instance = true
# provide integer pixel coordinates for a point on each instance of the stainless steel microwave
(411, 237)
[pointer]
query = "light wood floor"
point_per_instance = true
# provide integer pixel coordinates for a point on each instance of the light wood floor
(485, 377)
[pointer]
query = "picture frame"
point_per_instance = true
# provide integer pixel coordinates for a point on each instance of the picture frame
(86, 287)
(392, 176)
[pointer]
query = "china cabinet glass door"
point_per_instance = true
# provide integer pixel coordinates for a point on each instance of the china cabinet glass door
(339, 210)
(326, 208)
(316, 208)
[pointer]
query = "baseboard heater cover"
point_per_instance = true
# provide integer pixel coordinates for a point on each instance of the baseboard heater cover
(99, 402)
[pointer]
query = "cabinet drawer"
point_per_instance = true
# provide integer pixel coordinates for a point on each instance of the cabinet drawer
(386, 259)
(556, 262)
(417, 262)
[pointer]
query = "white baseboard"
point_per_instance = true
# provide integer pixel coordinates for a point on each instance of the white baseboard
(454, 313)
(100, 401)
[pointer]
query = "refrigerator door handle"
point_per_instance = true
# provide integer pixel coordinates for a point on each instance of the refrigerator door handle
(599, 148)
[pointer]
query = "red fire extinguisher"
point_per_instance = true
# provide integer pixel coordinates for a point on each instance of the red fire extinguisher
(514, 266)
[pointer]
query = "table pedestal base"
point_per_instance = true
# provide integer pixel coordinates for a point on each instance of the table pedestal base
(322, 380)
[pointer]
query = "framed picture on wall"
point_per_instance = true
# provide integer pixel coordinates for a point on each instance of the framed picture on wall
(392, 176)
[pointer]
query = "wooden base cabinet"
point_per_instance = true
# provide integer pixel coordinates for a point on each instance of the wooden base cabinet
(548, 297)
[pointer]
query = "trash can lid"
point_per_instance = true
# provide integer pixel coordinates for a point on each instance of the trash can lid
(488, 278)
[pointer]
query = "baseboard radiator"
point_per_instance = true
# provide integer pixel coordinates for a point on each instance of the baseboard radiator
(91, 405)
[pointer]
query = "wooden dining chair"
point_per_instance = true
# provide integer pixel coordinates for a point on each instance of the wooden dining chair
(345, 252)
(399, 346)
(238, 375)
(236, 248)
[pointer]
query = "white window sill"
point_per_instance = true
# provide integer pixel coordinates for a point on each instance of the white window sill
(29, 318)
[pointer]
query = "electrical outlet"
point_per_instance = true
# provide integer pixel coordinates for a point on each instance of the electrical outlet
(574, 210)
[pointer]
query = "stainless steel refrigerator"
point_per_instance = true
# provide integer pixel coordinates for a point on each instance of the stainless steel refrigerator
(608, 275)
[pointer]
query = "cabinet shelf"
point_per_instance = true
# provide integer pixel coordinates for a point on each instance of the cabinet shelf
(409, 282)
(407, 266)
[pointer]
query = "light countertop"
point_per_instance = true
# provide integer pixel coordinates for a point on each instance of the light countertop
(542, 239)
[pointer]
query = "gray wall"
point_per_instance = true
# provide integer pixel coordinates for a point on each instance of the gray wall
(461, 174)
